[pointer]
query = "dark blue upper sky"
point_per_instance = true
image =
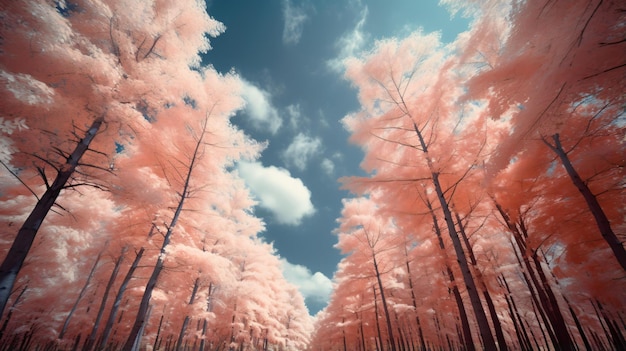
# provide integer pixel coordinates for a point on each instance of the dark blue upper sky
(289, 54)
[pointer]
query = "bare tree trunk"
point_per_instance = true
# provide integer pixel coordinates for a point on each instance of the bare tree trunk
(414, 300)
(592, 202)
(183, 329)
(384, 303)
(91, 339)
(490, 306)
(22, 243)
(479, 312)
(380, 336)
(80, 296)
(158, 267)
(118, 300)
(465, 327)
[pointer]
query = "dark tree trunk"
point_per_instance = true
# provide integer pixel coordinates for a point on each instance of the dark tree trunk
(118, 300)
(22, 243)
(141, 319)
(490, 306)
(380, 336)
(592, 202)
(479, 312)
(91, 339)
(384, 303)
(465, 327)
(414, 300)
(183, 329)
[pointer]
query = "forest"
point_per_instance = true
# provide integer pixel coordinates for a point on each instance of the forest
(491, 215)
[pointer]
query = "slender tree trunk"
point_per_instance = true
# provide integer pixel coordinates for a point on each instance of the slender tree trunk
(380, 336)
(158, 267)
(490, 306)
(183, 329)
(384, 303)
(80, 296)
(118, 300)
(479, 312)
(592, 202)
(22, 243)
(414, 300)
(91, 339)
(465, 327)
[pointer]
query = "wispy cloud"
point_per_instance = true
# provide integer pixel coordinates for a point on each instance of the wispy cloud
(263, 115)
(315, 286)
(351, 42)
(328, 166)
(301, 150)
(286, 197)
(294, 18)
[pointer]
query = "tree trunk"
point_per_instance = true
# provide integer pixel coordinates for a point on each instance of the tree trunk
(380, 336)
(183, 329)
(592, 202)
(414, 300)
(384, 302)
(22, 243)
(80, 296)
(118, 300)
(465, 327)
(158, 267)
(479, 312)
(490, 306)
(91, 339)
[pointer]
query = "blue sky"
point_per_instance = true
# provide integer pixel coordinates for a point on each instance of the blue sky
(289, 54)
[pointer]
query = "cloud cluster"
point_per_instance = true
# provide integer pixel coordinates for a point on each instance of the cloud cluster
(301, 150)
(294, 18)
(263, 115)
(350, 43)
(314, 286)
(286, 197)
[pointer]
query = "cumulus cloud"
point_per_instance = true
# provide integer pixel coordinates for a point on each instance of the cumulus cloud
(286, 197)
(263, 115)
(350, 43)
(294, 18)
(301, 149)
(314, 286)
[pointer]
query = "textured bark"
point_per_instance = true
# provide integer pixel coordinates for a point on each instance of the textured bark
(592, 202)
(22, 243)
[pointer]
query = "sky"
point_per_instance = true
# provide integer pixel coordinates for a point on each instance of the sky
(289, 54)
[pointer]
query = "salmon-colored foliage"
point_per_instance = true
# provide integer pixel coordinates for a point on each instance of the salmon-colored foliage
(136, 65)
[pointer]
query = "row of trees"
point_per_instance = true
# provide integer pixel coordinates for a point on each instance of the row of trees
(133, 229)
(493, 217)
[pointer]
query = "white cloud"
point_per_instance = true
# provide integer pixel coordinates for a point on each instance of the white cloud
(350, 43)
(328, 166)
(295, 115)
(301, 149)
(315, 286)
(294, 18)
(286, 197)
(263, 115)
